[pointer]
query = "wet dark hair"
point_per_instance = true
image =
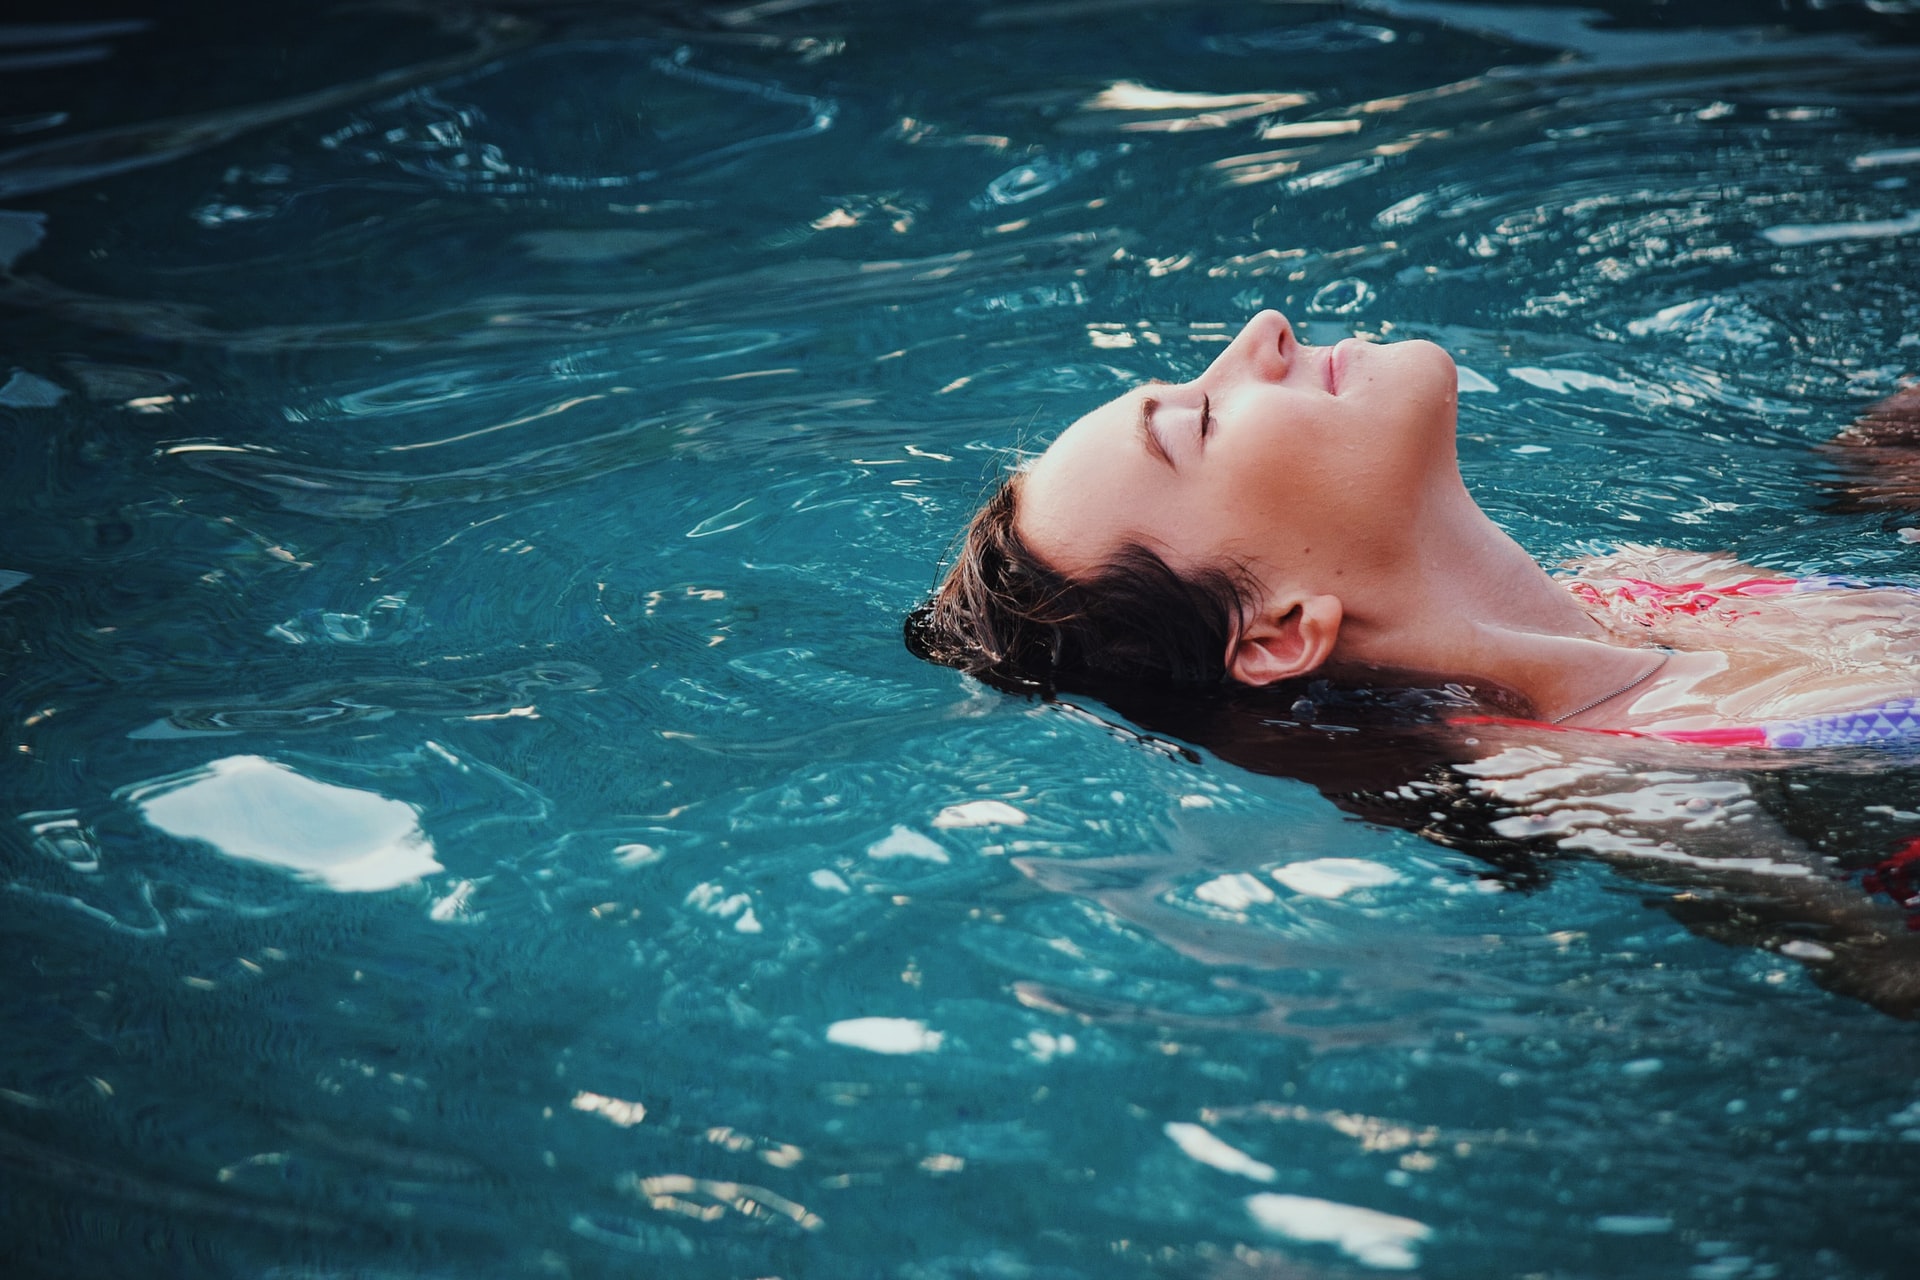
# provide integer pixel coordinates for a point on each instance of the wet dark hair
(1134, 631)
(1003, 614)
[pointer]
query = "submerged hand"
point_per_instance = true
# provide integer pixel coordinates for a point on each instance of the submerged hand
(1877, 458)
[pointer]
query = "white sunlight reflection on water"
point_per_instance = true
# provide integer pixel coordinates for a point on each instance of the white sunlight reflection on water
(258, 810)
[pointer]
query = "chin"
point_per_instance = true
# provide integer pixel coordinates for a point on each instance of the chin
(1426, 383)
(1430, 363)
(1423, 350)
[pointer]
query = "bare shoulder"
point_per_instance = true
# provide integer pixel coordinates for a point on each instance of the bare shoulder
(1666, 566)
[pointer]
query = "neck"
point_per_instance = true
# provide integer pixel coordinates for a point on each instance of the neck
(1468, 603)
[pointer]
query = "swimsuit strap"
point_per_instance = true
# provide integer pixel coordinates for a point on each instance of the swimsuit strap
(1642, 678)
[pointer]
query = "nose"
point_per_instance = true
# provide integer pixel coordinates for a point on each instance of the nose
(1264, 349)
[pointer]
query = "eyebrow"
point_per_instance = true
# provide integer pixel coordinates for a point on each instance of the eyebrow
(1145, 426)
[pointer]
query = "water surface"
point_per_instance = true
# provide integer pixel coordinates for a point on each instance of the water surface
(469, 810)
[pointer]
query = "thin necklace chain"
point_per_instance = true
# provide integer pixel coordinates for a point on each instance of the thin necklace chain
(1634, 683)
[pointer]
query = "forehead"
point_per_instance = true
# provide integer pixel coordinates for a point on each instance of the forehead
(1072, 502)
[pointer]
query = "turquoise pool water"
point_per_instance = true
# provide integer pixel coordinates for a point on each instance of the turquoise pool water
(469, 811)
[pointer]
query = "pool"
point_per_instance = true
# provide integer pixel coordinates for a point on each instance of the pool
(470, 812)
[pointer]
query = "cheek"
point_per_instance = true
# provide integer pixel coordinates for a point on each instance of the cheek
(1237, 524)
(1193, 526)
(1331, 497)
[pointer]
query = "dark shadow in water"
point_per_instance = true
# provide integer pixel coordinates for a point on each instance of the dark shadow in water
(1797, 853)
(90, 157)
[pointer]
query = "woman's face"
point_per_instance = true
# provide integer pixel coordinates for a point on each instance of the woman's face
(1279, 456)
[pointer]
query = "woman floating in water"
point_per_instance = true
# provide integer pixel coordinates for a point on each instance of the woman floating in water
(1298, 510)
(1282, 549)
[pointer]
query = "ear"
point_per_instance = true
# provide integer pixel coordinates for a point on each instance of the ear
(1286, 642)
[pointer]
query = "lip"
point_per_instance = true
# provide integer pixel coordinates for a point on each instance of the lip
(1333, 367)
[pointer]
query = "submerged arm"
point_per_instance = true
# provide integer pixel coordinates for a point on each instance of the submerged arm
(1743, 878)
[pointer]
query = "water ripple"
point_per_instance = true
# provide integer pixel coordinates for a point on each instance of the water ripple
(529, 460)
(486, 143)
